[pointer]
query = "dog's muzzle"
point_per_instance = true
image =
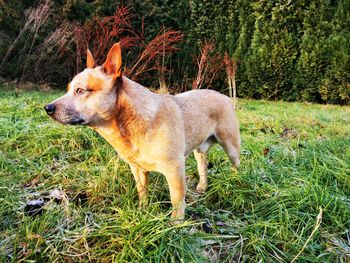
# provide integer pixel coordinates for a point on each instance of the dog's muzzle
(63, 116)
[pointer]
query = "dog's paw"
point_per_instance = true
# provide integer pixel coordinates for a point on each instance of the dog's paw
(143, 204)
(201, 188)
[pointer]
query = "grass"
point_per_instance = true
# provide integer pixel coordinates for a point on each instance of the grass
(289, 200)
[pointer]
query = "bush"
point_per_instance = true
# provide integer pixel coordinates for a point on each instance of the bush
(284, 50)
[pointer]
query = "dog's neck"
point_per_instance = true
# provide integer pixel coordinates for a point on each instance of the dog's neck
(136, 107)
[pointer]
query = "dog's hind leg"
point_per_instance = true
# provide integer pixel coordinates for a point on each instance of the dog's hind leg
(233, 153)
(228, 137)
(141, 179)
(200, 154)
(202, 166)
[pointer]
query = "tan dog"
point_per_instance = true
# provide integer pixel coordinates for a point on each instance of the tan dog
(151, 132)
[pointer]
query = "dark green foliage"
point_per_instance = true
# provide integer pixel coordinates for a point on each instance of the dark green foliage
(290, 50)
(324, 60)
(274, 50)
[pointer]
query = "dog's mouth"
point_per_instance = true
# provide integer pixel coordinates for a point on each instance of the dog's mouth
(65, 121)
(77, 122)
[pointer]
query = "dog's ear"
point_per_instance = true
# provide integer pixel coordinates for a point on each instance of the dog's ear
(90, 62)
(113, 63)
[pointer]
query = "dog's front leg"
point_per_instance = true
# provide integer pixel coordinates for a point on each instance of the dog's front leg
(141, 179)
(176, 179)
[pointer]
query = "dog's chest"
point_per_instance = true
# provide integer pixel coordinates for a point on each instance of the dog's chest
(139, 158)
(139, 152)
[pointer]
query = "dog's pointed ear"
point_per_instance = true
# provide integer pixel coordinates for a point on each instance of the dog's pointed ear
(113, 63)
(90, 62)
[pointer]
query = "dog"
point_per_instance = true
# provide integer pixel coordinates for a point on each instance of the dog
(149, 131)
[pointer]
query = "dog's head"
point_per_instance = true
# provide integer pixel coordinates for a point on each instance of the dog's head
(91, 95)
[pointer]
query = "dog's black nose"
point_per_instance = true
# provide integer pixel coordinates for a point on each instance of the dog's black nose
(50, 108)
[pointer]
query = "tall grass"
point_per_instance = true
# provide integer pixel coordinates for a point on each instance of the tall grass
(290, 199)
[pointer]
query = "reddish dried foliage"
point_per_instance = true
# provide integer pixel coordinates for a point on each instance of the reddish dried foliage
(209, 63)
(100, 34)
(231, 68)
(163, 44)
(230, 65)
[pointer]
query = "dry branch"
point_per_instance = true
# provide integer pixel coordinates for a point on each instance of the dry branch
(231, 68)
(163, 44)
(209, 63)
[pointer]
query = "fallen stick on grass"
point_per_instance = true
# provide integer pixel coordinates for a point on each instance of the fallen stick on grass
(317, 225)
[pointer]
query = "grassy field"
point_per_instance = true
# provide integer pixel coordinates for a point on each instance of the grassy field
(290, 199)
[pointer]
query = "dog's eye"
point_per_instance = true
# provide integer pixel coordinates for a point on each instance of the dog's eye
(79, 91)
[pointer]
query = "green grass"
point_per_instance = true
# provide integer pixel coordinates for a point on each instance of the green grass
(294, 163)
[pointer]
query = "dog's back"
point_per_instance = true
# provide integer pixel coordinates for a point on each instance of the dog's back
(208, 115)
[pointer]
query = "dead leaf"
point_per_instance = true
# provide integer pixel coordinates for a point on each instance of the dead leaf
(266, 151)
